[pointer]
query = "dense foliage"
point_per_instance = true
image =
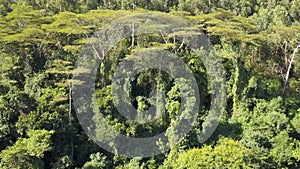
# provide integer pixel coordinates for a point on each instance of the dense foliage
(257, 41)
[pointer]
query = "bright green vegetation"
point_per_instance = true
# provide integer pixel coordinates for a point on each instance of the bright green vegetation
(257, 41)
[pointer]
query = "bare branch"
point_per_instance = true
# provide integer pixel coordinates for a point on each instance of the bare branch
(163, 36)
(286, 79)
(132, 36)
(181, 45)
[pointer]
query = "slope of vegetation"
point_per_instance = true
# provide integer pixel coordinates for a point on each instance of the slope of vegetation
(257, 41)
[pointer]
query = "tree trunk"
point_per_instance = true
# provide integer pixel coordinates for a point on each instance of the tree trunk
(70, 120)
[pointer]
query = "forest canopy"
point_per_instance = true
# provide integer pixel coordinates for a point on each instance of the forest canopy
(257, 43)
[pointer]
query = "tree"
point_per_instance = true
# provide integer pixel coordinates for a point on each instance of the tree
(98, 161)
(227, 153)
(27, 152)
